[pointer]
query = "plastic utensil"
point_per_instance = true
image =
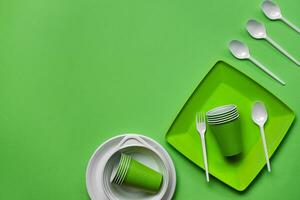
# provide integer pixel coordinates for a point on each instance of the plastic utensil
(201, 128)
(273, 12)
(260, 116)
(241, 51)
(258, 31)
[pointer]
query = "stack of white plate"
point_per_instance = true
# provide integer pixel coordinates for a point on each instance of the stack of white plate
(141, 148)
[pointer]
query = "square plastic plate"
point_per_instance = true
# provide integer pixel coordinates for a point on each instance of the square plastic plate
(226, 85)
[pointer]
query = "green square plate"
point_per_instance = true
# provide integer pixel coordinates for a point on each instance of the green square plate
(226, 85)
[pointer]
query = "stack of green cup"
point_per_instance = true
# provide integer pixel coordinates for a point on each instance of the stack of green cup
(133, 173)
(225, 125)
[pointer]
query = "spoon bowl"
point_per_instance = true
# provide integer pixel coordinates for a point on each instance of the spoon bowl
(271, 10)
(256, 29)
(259, 113)
(239, 49)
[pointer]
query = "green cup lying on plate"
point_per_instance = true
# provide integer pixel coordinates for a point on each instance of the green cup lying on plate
(133, 173)
(225, 125)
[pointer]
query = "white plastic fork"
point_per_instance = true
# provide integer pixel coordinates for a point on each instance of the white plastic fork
(201, 128)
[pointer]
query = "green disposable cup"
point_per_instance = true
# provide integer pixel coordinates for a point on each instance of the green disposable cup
(143, 177)
(228, 136)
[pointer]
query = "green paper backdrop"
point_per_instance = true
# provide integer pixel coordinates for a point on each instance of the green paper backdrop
(74, 73)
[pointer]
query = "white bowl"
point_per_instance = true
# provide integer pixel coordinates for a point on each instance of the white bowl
(140, 148)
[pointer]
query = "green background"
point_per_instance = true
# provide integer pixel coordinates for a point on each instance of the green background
(75, 73)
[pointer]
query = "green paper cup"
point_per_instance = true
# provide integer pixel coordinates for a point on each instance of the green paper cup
(142, 177)
(228, 136)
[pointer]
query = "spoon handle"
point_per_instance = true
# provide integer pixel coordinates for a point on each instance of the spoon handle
(290, 24)
(263, 137)
(283, 51)
(266, 70)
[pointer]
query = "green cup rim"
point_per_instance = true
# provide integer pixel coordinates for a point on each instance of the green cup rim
(126, 168)
(223, 116)
(116, 169)
(123, 167)
(221, 110)
(222, 119)
(224, 122)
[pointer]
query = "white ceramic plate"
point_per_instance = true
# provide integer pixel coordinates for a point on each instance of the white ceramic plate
(140, 148)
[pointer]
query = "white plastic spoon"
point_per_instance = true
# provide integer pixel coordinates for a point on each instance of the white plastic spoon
(241, 51)
(258, 31)
(260, 116)
(273, 12)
